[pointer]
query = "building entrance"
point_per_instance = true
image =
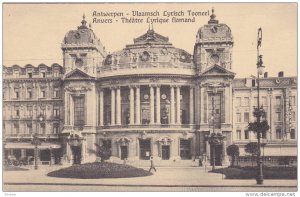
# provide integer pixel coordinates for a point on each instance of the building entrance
(124, 152)
(76, 151)
(165, 152)
(145, 149)
(218, 155)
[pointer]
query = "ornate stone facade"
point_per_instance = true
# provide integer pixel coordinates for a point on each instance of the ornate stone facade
(150, 98)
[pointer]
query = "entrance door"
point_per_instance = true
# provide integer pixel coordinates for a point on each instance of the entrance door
(218, 155)
(145, 149)
(185, 149)
(76, 151)
(124, 152)
(165, 152)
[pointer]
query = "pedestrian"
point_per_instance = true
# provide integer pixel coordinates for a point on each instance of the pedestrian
(152, 164)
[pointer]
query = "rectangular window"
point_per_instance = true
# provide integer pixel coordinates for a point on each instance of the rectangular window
(16, 127)
(55, 73)
(3, 95)
(56, 93)
(17, 113)
(16, 94)
(43, 111)
(264, 101)
(43, 94)
(55, 128)
(238, 117)
(293, 134)
(43, 128)
(29, 75)
(29, 128)
(278, 100)
(246, 134)
(238, 134)
(278, 133)
(278, 116)
(246, 116)
(253, 82)
(238, 101)
(293, 116)
(56, 113)
(246, 101)
(30, 112)
(79, 111)
(292, 100)
(43, 74)
(29, 94)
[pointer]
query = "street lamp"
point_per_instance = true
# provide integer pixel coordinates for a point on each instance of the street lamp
(259, 111)
(35, 140)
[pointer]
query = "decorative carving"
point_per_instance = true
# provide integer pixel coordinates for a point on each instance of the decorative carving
(165, 140)
(78, 87)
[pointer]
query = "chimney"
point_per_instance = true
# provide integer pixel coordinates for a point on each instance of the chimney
(280, 74)
(266, 75)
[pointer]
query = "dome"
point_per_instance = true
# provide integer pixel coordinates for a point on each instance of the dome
(150, 48)
(214, 31)
(83, 35)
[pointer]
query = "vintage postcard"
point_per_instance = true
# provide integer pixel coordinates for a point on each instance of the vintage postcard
(150, 97)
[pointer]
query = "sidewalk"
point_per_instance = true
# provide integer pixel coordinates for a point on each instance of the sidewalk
(164, 177)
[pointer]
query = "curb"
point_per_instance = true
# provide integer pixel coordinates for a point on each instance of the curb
(128, 185)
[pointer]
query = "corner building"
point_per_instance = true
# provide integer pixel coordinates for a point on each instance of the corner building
(150, 98)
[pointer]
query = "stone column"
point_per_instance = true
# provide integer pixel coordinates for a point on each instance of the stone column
(52, 158)
(191, 105)
(158, 104)
(137, 106)
(225, 161)
(118, 101)
(172, 120)
(101, 108)
(178, 121)
(112, 102)
(208, 153)
(227, 104)
(131, 105)
(151, 105)
(202, 111)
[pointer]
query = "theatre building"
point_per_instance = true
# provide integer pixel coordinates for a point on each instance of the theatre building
(150, 98)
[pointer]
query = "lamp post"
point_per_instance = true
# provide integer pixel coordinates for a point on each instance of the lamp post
(35, 140)
(259, 110)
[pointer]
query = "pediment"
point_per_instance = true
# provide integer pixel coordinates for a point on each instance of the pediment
(77, 74)
(217, 70)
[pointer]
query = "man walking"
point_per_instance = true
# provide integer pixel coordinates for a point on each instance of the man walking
(152, 164)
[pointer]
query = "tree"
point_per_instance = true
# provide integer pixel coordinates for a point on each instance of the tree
(252, 148)
(102, 151)
(234, 152)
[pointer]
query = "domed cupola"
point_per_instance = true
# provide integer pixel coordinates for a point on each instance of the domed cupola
(82, 49)
(214, 42)
(83, 35)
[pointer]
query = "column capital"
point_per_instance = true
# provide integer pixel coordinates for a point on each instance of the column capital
(154, 85)
(137, 86)
(114, 87)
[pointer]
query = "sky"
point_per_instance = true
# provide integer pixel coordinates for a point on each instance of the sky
(33, 33)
